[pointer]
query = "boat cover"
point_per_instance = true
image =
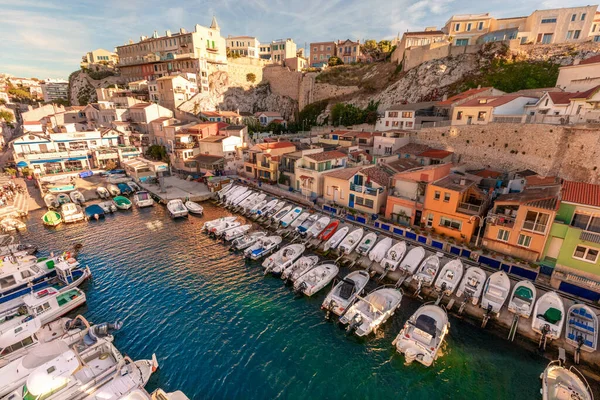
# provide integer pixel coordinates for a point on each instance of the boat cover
(524, 293)
(426, 324)
(347, 289)
(552, 315)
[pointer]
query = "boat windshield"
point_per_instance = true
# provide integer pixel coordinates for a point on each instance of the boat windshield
(143, 196)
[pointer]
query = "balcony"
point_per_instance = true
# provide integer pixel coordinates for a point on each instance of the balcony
(468, 208)
(182, 145)
(365, 189)
(534, 227)
(503, 220)
(589, 236)
(51, 155)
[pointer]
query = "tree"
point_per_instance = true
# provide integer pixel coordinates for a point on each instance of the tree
(251, 77)
(276, 128)
(333, 61)
(158, 152)
(6, 116)
(110, 165)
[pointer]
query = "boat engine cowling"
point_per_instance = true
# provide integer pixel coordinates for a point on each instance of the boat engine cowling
(100, 331)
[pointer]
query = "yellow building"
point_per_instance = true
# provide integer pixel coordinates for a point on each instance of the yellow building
(311, 167)
(262, 160)
(454, 205)
(519, 223)
(99, 56)
(464, 30)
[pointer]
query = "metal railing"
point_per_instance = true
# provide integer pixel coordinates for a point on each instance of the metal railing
(468, 208)
(507, 119)
(502, 220)
(365, 189)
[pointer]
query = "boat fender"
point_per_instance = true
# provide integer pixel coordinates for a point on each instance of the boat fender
(104, 356)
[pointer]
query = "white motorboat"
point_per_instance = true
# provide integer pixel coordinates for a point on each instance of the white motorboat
(495, 292)
(371, 311)
(239, 199)
(345, 292)
(380, 250)
(51, 201)
(177, 209)
(278, 206)
(263, 247)
(259, 199)
(142, 198)
(194, 208)
(336, 239)
(427, 271)
(234, 194)
(102, 192)
(71, 213)
(290, 216)
(297, 269)
(266, 207)
(237, 232)
(423, 334)
(315, 279)
(113, 189)
(522, 299)
(10, 224)
(351, 241)
(259, 206)
(411, 262)
(313, 226)
(281, 213)
(63, 198)
(247, 240)
(449, 277)
(224, 190)
(77, 197)
(220, 229)
(158, 394)
(393, 256)
(301, 218)
(366, 244)
(81, 374)
(248, 201)
(134, 186)
(582, 328)
(548, 316)
(209, 224)
(285, 257)
(472, 284)
(108, 206)
(560, 383)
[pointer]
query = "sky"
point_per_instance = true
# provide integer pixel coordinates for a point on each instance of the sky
(47, 38)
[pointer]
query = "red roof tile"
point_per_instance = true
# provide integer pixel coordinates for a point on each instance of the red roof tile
(581, 193)
(326, 155)
(435, 153)
(488, 173)
(566, 97)
(491, 101)
(275, 145)
(461, 96)
(591, 60)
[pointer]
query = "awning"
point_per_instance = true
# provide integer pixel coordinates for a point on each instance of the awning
(22, 164)
(46, 161)
(76, 158)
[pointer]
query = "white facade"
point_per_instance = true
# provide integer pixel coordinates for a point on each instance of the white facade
(55, 89)
(245, 46)
(396, 119)
(580, 76)
(389, 142)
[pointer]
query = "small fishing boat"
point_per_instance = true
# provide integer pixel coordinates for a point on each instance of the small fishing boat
(427, 271)
(411, 262)
(248, 201)
(10, 224)
(224, 190)
(108, 206)
(371, 311)
(329, 230)
(247, 240)
(194, 208)
(290, 217)
(366, 244)
(548, 316)
(449, 277)
(263, 247)
(266, 207)
(336, 239)
(315, 279)
(177, 209)
(51, 201)
(133, 186)
(71, 213)
(281, 213)
(522, 299)
(113, 189)
(63, 198)
(351, 241)
(393, 257)
(297, 269)
(316, 228)
(582, 328)
(122, 203)
(278, 206)
(94, 211)
(259, 200)
(209, 224)
(61, 189)
(77, 197)
(124, 188)
(242, 197)
(345, 292)
(102, 192)
(220, 229)
(237, 196)
(238, 232)
(560, 383)
(254, 209)
(285, 257)
(472, 284)
(495, 292)
(423, 334)
(380, 250)
(143, 198)
(233, 193)
(301, 218)
(52, 218)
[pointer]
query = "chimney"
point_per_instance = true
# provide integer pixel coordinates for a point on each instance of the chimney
(182, 30)
(463, 182)
(155, 35)
(168, 33)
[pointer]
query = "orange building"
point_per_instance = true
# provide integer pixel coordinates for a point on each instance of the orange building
(453, 206)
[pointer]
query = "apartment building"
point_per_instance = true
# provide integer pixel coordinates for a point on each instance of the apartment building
(157, 56)
(408, 116)
(311, 167)
(389, 142)
(99, 56)
(173, 90)
(595, 31)
(465, 29)
(55, 89)
(445, 107)
(485, 109)
(566, 107)
(321, 52)
(281, 50)
(349, 51)
(244, 46)
(579, 76)
(262, 160)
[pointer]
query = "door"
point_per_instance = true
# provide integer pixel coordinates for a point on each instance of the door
(539, 37)
(469, 120)
(554, 247)
(351, 201)
(418, 215)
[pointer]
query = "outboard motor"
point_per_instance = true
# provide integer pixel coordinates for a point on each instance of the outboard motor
(74, 324)
(329, 307)
(300, 289)
(100, 331)
(354, 323)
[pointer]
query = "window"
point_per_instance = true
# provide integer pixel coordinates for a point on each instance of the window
(358, 201)
(446, 197)
(450, 223)
(393, 114)
(248, 169)
(524, 240)
(369, 203)
(409, 124)
(315, 49)
(462, 42)
(569, 36)
(583, 16)
(469, 27)
(535, 221)
(573, 17)
(577, 34)
(481, 116)
(548, 20)
(597, 39)
(436, 195)
(457, 27)
(480, 26)
(429, 222)
(586, 254)
(459, 115)
(593, 28)
(407, 114)
(503, 235)
(586, 222)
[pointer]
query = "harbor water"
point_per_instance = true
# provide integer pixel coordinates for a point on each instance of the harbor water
(220, 330)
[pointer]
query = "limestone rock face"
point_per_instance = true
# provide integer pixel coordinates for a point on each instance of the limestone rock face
(82, 88)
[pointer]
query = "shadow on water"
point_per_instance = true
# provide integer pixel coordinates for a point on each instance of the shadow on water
(221, 330)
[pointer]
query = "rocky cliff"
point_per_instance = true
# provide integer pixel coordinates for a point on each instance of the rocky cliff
(82, 85)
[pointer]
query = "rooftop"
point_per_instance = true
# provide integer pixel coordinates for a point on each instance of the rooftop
(412, 106)
(208, 159)
(268, 114)
(581, 193)
(546, 198)
(436, 154)
(326, 155)
(343, 173)
(403, 164)
(413, 149)
(275, 145)
(424, 33)
(213, 139)
(491, 101)
(234, 127)
(377, 174)
(453, 182)
(537, 180)
(487, 173)
(565, 98)
(462, 96)
(140, 105)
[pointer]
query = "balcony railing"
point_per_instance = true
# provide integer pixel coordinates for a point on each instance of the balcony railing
(365, 190)
(468, 208)
(533, 226)
(192, 145)
(53, 154)
(503, 220)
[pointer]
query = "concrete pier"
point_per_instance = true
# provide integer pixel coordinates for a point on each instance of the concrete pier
(177, 188)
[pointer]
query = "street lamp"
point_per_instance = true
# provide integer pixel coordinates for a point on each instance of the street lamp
(481, 219)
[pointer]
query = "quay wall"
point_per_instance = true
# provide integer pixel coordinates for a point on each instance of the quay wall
(569, 152)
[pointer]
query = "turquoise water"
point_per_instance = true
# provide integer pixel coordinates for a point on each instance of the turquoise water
(221, 330)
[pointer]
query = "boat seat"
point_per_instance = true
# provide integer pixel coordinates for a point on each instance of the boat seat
(347, 289)
(551, 315)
